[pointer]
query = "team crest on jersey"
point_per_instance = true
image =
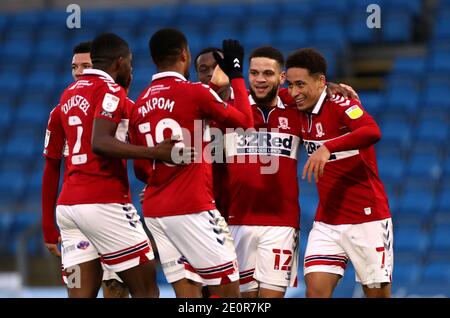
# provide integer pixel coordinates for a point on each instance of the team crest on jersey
(110, 102)
(319, 130)
(283, 123)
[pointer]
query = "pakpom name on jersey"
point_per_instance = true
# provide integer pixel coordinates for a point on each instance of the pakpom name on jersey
(155, 102)
(76, 101)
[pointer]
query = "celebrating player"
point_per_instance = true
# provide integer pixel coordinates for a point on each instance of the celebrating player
(352, 221)
(194, 243)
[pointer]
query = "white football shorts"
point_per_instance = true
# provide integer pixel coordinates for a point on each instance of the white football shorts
(369, 246)
(267, 256)
(112, 232)
(196, 246)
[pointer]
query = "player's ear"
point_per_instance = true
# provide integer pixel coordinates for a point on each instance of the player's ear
(282, 77)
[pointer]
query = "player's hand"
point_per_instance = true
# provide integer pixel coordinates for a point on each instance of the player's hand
(219, 78)
(233, 58)
(316, 164)
(168, 151)
(341, 89)
(53, 248)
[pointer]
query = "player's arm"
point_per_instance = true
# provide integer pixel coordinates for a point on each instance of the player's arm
(341, 89)
(364, 132)
(220, 83)
(53, 149)
(212, 105)
(50, 182)
(104, 143)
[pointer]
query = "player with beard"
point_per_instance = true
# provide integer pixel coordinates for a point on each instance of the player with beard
(263, 208)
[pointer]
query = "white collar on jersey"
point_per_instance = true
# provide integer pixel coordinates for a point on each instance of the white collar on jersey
(319, 104)
(168, 74)
(279, 102)
(94, 71)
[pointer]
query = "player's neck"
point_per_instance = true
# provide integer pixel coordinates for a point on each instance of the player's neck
(105, 69)
(171, 69)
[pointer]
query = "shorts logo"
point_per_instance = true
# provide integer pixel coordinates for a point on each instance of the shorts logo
(110, 102)
(283, 123)
(83, 245)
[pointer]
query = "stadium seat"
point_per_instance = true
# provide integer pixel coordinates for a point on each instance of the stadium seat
(406, 273)
(397, 26)
(396, 132)
(440, 241)
(436, 272)
(296, 9)
(416, 204)
(403, 99)
(328, 31)
(409, 66)
(358, 34)
(410, 6)
(233, 11)
(290, 35)
(426, 166)
(403, 242)
(219, 30)
(433, 131)
(391, 168)
(256, 33)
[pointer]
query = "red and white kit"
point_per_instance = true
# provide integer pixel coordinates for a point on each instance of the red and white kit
(353, 219)
(177, 196)
(94, 206)
(264, 212)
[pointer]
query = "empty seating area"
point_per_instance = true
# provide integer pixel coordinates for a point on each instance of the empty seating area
(413, 110)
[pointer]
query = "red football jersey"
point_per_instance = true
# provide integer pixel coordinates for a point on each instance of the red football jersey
(350, 191)
(90, 178)
(258, 196)
(172, 105)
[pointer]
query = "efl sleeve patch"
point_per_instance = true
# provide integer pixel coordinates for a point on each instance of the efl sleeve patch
(354, 112)
(110, 102)
(47, 138)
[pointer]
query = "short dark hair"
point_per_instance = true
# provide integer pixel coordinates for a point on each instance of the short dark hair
(207, 50)
(166, 45)
(83, 47)
(309, 59)
(269, 52)
(108, 47)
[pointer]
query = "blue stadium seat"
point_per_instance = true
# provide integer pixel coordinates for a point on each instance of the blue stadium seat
(358, 34)
(403, 99)
(391, 168)
(416, 204)
(129, 17)
(403, 242)
(440, 62)
(54, 17)
(426, 166)
(371, 101)
(398, 132)
(406, 273)
(435, 96)
(397, 26)
(26, 19)
(443, 200)
(19, 33)
(328, 31)
(409, 66)
(291, 33)
(265, 11)
(20, 146)
(410, 6)
(433, 131)
(440, 241)
(11, 83)
(234, 11)
(12, 183)
(35, 83)
(220, 30)
(256, 33)
(437, 273)
(446, 167)
(441, 26)
(295, 9)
